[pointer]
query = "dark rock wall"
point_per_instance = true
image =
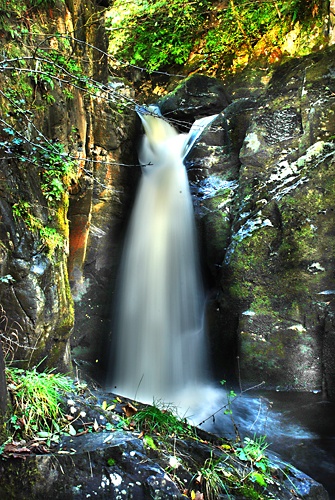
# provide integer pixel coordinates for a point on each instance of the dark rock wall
(37, 298)
(93, 128)
(280, 264)
(100, 202)
(97, 221)
(262, 178)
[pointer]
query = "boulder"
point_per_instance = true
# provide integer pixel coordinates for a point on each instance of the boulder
(196, 96)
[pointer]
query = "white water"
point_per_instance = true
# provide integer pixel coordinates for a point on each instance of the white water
(160, 341)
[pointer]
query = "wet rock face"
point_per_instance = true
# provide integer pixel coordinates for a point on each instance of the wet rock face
(196, 96)
(98, 217)
(47, 290)
(279, 266)
(36, 296)
(265, 212)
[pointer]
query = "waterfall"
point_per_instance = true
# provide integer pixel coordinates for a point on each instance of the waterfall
(159, 333)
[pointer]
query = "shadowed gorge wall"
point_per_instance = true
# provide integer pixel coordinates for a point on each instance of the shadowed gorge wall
(262, 177)
(45, 214)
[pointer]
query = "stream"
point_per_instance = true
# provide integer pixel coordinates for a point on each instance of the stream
(299, 426)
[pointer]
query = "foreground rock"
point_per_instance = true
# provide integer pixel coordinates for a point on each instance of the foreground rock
(107, 457)
(117, 465)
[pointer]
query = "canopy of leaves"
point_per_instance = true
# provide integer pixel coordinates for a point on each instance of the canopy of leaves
(154, 33)
(158, 33)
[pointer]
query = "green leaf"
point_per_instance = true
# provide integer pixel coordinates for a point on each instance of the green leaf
(258, 478)
(242, 456)
(149, 442)
(43, 434)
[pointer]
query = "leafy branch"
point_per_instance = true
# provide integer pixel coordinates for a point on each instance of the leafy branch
(227, 407)
(47, 69)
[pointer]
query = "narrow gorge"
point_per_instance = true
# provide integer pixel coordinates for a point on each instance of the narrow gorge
(260, 174)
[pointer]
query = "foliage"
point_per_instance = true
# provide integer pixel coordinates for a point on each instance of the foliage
(20, 6)
(164, 32)
(36, 401)
(220, 476)
(22, 141)
(231, 395)
(55, 66)
(43, 3)
(10, 9)
(155, 33)
(211, 479)
(160, 419)
(57, 170)
(55, 165)
(244, 23)
(252, 451)
(49, 236)
(39, 79)
(229, 471)
(37, 70)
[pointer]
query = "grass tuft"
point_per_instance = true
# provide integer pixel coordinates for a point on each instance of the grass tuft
(36, 399)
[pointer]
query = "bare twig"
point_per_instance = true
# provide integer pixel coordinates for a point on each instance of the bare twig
(212, 415)
(10, 336)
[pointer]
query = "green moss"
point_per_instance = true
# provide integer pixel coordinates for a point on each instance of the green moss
(241, 290)
(250, 265)
(250, 492)
(261, 303)
(299, 231)
(50, 238)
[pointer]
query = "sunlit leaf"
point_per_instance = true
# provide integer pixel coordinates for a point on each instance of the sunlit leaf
(72, 430)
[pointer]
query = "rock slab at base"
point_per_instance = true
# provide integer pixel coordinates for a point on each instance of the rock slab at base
(116, 465)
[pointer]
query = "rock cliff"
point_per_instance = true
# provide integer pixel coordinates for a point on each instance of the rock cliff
(261, 176)
(64, 122)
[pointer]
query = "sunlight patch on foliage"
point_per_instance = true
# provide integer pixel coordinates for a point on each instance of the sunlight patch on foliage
(155, 33)
(159, 33)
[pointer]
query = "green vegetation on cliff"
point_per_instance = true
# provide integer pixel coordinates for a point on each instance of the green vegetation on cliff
(160, 33)
(155, 33)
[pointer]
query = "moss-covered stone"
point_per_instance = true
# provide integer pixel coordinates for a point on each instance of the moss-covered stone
(280, 259)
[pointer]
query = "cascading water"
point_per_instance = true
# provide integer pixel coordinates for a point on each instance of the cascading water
(159, 335)
(160, 342)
